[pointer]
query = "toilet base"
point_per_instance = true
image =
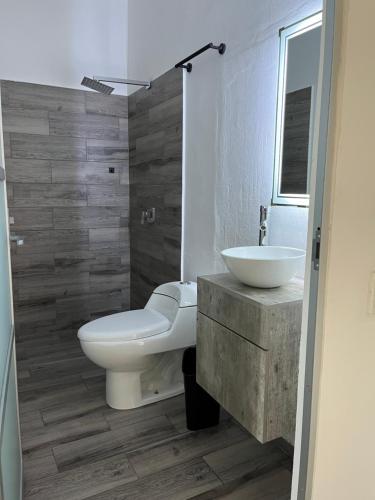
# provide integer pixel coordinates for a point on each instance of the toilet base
(163, 379)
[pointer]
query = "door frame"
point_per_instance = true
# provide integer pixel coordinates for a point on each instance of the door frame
(304, 440)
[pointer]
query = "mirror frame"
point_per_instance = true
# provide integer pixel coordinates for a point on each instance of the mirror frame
(287, 34)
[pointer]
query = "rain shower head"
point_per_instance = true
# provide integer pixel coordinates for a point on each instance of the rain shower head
(96, 85)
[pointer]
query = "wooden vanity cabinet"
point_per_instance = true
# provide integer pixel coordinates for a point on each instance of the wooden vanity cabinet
(248, 351)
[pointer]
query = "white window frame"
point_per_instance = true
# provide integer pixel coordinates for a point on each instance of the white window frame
(287, 34)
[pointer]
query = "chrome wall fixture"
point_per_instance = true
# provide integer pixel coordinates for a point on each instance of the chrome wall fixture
(263, 212)
(148, 216)
(221, 48)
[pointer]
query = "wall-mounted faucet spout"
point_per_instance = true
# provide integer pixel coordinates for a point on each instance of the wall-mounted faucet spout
(262, 224)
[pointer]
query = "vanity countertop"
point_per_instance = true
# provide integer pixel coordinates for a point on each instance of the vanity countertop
(257, 314)
(292, 292)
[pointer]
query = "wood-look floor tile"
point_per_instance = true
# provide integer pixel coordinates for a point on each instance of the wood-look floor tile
(94, 448)
(38, 464)
(177, 483)
(88, 404)
(185, 448)
(30, 421)
(120, 419)
(275, 485)
(245, 457)
(82, 482)
(44, 397)
(65, 432)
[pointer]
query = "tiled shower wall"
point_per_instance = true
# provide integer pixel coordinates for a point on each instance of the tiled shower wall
(155, 138)
(67, 180)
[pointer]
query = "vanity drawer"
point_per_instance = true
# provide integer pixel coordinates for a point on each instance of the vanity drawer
(235, 372)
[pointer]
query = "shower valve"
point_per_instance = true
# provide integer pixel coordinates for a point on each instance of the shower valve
(148, 216)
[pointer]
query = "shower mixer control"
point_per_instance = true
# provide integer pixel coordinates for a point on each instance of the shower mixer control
(148, 216)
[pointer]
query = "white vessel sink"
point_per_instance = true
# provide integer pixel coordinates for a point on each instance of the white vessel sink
(263, 267)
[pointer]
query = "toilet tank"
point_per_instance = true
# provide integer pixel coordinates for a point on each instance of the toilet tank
(170, 297)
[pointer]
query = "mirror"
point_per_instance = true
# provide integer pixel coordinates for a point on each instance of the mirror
(297, 87)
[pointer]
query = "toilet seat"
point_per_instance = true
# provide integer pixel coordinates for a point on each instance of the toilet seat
(129, 325)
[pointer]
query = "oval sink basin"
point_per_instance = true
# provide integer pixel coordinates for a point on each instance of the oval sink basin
(263, 267)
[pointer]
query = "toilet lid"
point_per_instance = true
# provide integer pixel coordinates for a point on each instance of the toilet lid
(129, 325)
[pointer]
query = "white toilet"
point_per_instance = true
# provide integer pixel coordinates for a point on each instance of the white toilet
(142, 349)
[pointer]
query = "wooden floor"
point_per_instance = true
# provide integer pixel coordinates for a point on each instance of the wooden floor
(76, 447)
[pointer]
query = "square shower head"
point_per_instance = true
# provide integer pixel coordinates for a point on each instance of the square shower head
(96, 85)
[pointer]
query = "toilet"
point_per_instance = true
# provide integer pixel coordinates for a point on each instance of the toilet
(141, 350)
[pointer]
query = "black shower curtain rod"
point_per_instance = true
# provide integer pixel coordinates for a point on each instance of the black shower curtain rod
(182, 64)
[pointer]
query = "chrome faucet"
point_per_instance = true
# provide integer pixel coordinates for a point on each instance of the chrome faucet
(262, 224)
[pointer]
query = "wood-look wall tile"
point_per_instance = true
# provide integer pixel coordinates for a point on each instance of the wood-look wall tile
(106, 302)
(87, 172)
(32, 264)
(84, 125)
(52, 173)
(76, 261)
(163, 88)
(124, 173)
(34, 312)
(108, 196)
(47, 147)
(173, 143)
(88, 217)
(17, 95)
(25, 121)
(50, 241)
(102, 263)
(31, 218)
(7, 145)
(124, 130)
(150, 147)
(27, 171)
(113, 105)
(49, 195)
(108, 237)
(52, 286)
(166, 114)
(105, 150)
(109, 280)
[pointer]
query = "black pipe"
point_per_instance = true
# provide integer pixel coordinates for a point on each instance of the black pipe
(182, 64)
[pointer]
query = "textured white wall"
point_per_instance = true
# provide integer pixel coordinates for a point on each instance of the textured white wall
(56, 42)
(230, 112)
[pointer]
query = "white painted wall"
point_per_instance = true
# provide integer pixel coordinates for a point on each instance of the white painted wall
(343, 455)
(230, 112)
(56, 42)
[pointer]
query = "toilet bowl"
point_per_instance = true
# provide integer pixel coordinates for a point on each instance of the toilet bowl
(141, 350)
